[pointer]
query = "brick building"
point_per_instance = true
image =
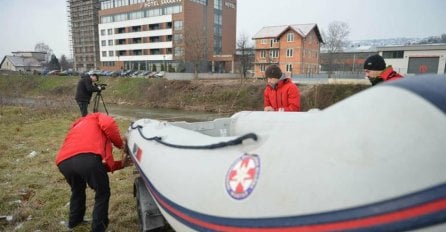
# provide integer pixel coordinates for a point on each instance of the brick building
(295, 48)
(172, 35)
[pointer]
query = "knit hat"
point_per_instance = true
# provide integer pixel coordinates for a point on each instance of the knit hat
(375, 62)
(273, 71)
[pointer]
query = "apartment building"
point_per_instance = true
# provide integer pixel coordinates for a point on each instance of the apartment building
(170, 35)
(295, 48)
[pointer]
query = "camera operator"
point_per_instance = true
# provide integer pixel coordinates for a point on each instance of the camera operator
(85, 88)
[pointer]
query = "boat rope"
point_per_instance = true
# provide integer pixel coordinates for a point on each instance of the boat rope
(232, 142)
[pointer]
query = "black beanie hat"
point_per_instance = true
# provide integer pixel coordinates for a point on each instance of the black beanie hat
(273, 71)
(375, 62)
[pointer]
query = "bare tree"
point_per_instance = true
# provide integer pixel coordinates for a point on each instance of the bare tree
(246, 53)
(195, 40)
(335, 40)
(42, 47)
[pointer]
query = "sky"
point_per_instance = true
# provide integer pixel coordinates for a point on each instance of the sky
(24, 23)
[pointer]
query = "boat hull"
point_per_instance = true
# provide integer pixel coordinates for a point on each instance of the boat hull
(374, 161)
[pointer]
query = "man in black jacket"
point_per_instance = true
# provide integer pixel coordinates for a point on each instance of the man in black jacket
(85, 89)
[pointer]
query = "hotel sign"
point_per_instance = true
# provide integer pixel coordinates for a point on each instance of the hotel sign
(156, 3)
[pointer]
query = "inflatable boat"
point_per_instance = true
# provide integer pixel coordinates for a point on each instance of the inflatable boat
(375, 161)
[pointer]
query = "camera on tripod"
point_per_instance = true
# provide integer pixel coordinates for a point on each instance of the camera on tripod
(98, 97)
(100, 86)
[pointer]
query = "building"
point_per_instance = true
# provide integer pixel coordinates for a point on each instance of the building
(295, 48)
(171, 35)
(83, 31)
(349, 59)
(24, 62)
(416, 59)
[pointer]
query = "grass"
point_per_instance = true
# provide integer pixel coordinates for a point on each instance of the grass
(33, 191)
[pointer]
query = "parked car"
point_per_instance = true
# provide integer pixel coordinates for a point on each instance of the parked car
(54, 72)
(159, 74)
(151, 74)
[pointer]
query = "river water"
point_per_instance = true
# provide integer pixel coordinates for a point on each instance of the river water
(133, 112)
(127, 111)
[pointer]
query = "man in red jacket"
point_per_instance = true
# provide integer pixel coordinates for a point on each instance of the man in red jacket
(281, 94)
(85, 158)
(376, 70)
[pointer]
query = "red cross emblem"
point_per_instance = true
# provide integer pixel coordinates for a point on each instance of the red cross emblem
(242, 176)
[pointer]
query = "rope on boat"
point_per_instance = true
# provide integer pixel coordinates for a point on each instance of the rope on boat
(233, 142)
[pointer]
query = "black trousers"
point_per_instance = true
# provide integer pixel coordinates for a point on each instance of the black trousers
(83, 106)
(79, 171)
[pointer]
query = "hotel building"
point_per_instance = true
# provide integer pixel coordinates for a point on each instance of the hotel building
(171, 35)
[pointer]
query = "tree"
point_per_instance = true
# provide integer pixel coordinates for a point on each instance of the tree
(64, 65)
(42, 47)
(246, 51)
(54, 63)
(195, 41)
(335, 40)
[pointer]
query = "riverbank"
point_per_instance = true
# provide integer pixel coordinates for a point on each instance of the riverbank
(220, 96)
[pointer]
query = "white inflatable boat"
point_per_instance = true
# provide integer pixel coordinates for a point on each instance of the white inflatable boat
(375, 161)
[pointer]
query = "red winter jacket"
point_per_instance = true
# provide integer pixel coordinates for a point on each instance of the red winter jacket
(94, 133)
(286, 95)
(390, 74)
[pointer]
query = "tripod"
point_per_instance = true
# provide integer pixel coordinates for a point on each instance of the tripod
(97, 98)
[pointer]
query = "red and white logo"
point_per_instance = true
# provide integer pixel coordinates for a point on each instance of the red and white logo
(242, 176)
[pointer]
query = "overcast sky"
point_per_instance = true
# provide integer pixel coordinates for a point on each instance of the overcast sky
(24, 23)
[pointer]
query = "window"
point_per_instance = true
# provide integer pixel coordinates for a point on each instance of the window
(103, 32)
(273, 41)
(218, 4)
(274, 53)
(393, 54)
(177, 25)
(120, 17)
(262, 67)
(218, 19)
(154, 12)
(178, 38)
(119, 3)
(136, 1)
(289, 52)
(110, 31)
(290, 37)
(106, 19)
(289, 68)
(137, 52)
(104, 53)
(110, 53)
(202, 2)
(154, 26)
(263, 41)
(173, 9)
(110, 42)
(136, 15)
(179, 51)
(106, 5)
(103, 42)
(136, 28)
(262, 54)
(121, 30)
